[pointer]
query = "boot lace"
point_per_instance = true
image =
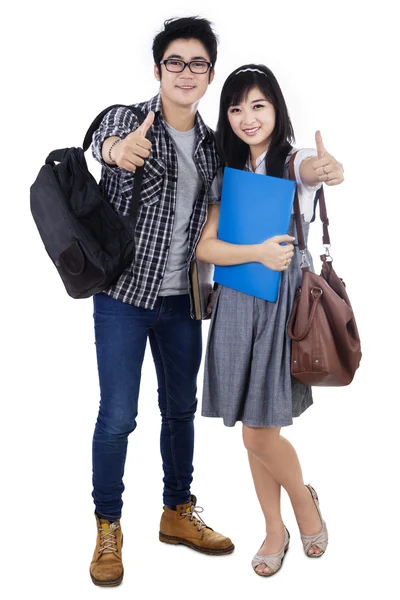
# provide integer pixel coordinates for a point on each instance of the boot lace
(194, 517)
(108, 542)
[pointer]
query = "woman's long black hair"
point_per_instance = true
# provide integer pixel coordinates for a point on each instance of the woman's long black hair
(233, 151)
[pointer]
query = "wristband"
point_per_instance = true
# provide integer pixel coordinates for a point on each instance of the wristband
(111, 147)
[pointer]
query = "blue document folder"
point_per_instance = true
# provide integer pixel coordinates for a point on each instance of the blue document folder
(254, 208)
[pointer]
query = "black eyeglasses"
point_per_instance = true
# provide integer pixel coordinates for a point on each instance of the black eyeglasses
(199, 67)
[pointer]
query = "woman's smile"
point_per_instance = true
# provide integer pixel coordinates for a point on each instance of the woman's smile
(252, 131)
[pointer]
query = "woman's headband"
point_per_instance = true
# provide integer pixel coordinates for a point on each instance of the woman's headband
(250, 69)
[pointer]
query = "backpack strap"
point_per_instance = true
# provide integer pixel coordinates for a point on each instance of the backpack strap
(96, 123)
(57, 156)
(137, 181)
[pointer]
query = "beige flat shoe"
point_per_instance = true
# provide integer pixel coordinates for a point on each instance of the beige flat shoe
(319, 539)
(273, 561)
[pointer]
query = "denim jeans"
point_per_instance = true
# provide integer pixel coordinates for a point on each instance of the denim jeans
(121, 332)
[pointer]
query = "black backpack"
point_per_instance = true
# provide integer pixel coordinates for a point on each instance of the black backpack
(88, 242)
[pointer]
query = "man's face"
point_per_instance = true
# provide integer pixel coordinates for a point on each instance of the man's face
(186, 88)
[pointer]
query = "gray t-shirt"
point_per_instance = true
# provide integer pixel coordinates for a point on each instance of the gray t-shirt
(175, 281)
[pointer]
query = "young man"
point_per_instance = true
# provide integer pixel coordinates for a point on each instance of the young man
(152, 298)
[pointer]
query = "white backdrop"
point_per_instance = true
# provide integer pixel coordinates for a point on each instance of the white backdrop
(61, 64)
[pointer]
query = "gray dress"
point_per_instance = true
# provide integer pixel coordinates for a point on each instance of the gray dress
(247, 364)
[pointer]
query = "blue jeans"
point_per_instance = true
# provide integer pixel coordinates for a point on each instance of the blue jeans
(121, 332)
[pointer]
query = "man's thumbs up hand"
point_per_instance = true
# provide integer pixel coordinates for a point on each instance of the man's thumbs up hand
(132, 151)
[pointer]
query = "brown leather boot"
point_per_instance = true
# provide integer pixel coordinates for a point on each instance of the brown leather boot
(185, 526)
(106, 568)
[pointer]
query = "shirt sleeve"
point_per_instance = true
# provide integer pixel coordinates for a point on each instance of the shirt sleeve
(214, 195)
(305, 192)
(119, 122)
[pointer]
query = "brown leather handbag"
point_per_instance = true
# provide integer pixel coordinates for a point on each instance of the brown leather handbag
(326, 346)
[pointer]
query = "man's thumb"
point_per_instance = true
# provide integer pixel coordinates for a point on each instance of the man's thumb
(147, 123)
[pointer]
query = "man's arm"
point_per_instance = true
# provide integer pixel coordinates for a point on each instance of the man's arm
(108, 145)
(121, 124)
(130, 152)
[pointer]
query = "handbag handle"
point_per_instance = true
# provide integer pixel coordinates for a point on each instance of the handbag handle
(316, 299)
(319, 197)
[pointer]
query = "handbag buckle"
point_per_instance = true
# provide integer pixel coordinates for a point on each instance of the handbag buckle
(304, 261)
(327, 253)
(318, 291)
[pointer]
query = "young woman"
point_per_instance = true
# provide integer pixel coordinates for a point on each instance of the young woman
(247, 365)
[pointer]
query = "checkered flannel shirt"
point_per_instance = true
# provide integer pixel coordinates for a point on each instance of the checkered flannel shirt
(140, 283)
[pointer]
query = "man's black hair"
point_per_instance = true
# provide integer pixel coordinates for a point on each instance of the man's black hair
(186, 28)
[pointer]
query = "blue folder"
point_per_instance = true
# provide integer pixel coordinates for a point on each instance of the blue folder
(254, 208)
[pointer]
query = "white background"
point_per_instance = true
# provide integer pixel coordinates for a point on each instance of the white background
(61, 64)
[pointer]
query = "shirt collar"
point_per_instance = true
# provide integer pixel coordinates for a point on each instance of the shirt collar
(259, 161)
(203, 131)
(154, 104)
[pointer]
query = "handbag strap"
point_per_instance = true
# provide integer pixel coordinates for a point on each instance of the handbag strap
(319, 197)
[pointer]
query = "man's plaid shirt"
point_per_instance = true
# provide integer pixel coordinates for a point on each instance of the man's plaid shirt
(140, 283)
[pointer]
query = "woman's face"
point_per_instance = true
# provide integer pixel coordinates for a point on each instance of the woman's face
(253, 120)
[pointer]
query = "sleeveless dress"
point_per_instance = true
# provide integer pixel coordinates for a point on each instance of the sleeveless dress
(247, 363)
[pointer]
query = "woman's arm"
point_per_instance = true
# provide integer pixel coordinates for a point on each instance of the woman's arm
(324, 169)
(212, 250)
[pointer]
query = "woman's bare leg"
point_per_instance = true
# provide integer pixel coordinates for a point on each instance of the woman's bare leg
(279, 458)
(269, 496)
